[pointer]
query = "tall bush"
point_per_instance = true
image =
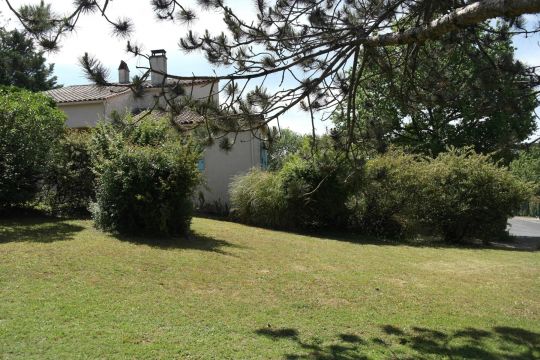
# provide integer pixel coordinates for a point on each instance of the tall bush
(257, 198)
(30, 126)
(146, 178)
(527, 168)
(304, 194)
(382, 206)
(69, 185)
(316, 192)
(465, 195)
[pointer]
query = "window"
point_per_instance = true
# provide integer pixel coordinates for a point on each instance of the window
(201, 165)
(264, 157)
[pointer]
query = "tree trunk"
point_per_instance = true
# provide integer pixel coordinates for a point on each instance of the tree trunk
(472, 14)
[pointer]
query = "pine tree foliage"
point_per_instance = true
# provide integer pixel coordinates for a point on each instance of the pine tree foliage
(303, 46)
(22, 65)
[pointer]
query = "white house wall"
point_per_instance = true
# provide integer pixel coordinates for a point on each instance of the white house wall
(82, 115)
(201, 92)
(221, 166)
(121, 104)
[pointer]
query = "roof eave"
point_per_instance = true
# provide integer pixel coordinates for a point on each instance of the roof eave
(81, 102)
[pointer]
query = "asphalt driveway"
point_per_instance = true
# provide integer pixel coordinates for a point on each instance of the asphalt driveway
(524, 227)
(526, 232)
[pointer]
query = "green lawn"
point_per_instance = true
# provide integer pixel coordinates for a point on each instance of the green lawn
(238, 292)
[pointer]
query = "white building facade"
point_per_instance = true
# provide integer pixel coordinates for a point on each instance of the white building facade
(85, 105)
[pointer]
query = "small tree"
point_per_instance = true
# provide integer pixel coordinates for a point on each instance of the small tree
(22, 65)
(284, 144)
(30, 126)
(527, 166)
(147, 175)
(69, 178)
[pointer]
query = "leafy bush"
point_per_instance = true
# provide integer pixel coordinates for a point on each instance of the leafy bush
(146, 178)
(69, 180)
(464, 195)
(527, 167)
(383, 204)
(304, 194)
(30, 126)
(458, 195)
(257, 198)
(316, 192)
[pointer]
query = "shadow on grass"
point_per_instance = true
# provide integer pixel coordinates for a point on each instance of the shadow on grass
(512, 244)
(416, 343)
(523, 243)
(37, 229)
(193, 241)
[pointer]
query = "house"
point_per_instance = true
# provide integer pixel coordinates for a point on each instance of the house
(85, 105)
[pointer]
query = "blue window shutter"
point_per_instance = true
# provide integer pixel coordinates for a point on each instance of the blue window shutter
(201, 165)
(264, 158)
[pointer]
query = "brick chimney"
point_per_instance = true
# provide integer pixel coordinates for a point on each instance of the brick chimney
(123, 73)
(158, 62)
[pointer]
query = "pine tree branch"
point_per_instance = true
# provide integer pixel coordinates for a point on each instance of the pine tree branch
(472, 14)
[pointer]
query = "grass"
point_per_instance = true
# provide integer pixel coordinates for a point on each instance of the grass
(238, 292)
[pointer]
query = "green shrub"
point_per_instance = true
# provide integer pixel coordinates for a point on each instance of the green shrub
(146, 178)
(527, 167)
(30, 126)
(459, 195)
(304, 194)
(383, 204)
(257, 198)
(285, 143)
(315, 192)
(465, 195)
(69, 179)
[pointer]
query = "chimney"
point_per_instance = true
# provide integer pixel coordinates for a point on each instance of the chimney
(158, 62)
(123, 73)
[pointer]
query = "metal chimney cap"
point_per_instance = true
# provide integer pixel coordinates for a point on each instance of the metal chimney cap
(159, 52)
(123, 66)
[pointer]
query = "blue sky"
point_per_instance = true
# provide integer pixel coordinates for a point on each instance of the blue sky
(93, 36)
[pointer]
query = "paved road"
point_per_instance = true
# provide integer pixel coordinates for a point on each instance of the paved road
(526, 232)
(525, 227)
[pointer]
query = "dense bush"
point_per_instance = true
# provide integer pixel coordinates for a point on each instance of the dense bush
(69, 179)
(146, 179)
(257, 198)
(458, 195)
(30, 126)
(304, 194)
(527, 167)
(464, 194)
(147, 190)
(316, 192)
(382, 206)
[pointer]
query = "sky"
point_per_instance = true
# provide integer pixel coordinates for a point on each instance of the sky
(93, 35)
